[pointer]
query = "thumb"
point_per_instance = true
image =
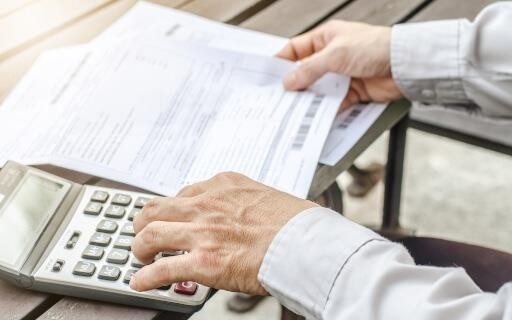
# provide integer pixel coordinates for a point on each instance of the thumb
(308, 71)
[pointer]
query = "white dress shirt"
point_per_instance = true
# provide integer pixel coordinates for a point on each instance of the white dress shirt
(324, 266)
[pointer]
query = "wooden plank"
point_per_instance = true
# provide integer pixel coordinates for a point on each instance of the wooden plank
(78, 309)
(223, 10)
(17, 303)
(40, 18)
(287, 18)
(377, 12)
(452, 9)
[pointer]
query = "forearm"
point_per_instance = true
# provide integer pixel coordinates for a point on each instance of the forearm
(326, 267)
(457, 62)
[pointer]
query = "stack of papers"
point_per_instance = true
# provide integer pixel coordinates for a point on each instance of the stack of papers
(163, 99)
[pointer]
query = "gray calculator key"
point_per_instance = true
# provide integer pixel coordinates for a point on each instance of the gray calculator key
(127, 229)
(107, 226)
(100, 196)
(121, 199)
(136, 263)
(100, 239)
(118, 256)
(141, 202)
(115, 211)
(133, 213)
(128, 275)
(123, 242)
(172, 253)
(93, 208)
(109, 273)
(93, 252)
(85, 269)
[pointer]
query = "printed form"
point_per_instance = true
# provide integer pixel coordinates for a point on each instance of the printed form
(164, 115)
(148, 20)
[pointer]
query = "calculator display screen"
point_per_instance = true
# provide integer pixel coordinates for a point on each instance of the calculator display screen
(24, 216)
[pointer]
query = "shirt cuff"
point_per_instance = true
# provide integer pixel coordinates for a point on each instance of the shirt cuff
(306, 256)
(426, 62)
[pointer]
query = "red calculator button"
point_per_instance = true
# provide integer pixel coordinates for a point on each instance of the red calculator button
(187, 287)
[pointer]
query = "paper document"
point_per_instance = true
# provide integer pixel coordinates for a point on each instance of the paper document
(347, 129)
(164, 115)
(147, 20)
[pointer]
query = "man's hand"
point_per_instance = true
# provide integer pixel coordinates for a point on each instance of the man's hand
(226, 224)
(355, 49)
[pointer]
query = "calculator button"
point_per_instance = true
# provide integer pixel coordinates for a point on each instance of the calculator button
(73, 239)
(121, 199)
(109, 273)
(123, 242)
(115, 211)
(107, 226)
(128, 275)
(100, 239)
(140, 202)
(186, 287)
(93, 208)
(57, 266)
(118, 256)
(172, 253)
(167, 287)
(127, 229)
(132, 214)
(93, 252)
(136, 263)
(100, 196)
(85, 269)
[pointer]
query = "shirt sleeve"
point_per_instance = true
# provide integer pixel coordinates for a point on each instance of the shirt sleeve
(323, 266)
(457, 63)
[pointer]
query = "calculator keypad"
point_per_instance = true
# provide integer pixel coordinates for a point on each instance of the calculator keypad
(100, 239)
(93, 208)
(118, 256)
(124, 242)
(102, 234)
(122, 199)
(115, 211)
(110, 273)
(100, 196)
(107, 226)
(85, 269)
(93, 252)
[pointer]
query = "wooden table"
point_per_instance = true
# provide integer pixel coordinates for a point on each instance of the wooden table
(27, 27)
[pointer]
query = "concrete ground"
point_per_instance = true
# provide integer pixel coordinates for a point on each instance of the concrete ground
(451, 190)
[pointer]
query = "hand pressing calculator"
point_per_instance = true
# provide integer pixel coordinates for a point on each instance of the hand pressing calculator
(65, 238)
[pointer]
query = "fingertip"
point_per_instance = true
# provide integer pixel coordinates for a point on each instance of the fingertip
(134, 283)
(289, 81)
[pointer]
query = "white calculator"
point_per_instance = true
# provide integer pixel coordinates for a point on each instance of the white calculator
(71, 239)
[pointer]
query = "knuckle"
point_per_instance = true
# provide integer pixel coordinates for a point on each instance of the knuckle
(151, 233)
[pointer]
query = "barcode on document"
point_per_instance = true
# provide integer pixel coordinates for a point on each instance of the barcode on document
(305, 126)
(354, 113)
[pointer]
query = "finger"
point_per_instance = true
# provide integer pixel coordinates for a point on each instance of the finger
(298, 47)
(358, 86)
(159, 237)
(351, 99)
(165, 209)
(163, 272)
(192, 190)
(308, 71)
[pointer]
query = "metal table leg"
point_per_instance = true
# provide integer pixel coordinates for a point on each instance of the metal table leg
(394, 175)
